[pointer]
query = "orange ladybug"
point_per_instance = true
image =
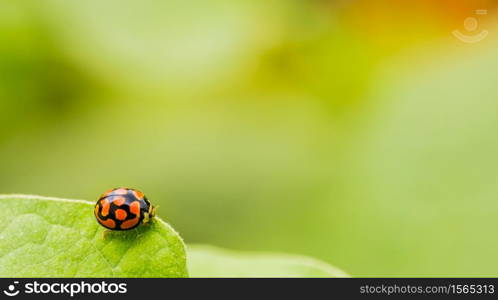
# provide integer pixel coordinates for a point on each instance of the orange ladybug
(123, 209)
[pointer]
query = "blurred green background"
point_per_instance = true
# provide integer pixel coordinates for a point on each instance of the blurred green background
(362, 133)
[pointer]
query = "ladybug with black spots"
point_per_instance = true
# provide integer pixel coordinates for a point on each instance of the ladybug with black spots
(123, 209)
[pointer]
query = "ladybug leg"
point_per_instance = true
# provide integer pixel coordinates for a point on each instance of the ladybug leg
(146, 219)
(153, 210)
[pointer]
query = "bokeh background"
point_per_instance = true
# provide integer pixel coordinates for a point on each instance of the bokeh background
(363, 133)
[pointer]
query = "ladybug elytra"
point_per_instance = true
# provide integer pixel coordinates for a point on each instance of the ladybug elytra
(123, 209)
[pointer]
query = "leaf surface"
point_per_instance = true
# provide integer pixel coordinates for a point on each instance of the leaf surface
(209, 261)
(52, 237)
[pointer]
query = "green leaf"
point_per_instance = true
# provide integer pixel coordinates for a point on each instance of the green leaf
(51, 237)
(208, 261)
